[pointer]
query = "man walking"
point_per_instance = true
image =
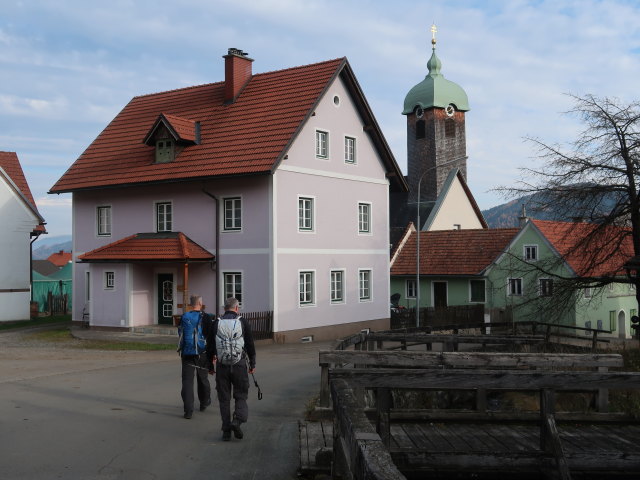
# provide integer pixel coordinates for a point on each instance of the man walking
(230, 345)
(195, 327)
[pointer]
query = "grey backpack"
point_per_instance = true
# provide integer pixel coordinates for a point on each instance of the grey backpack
(229, 341)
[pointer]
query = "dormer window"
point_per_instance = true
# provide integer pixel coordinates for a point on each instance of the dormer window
(164, 150)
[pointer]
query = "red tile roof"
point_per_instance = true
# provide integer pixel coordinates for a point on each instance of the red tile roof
(169, 247)
(60, 258)
(604, 254)
(248, 136)
(183, 128)
(452, 252)
(10, 164)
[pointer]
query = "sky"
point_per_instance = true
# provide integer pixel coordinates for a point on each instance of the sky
(68, 67)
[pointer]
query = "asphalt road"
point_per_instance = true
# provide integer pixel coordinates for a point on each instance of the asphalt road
(85, 414)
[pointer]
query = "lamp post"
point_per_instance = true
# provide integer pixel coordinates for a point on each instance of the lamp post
(418, 229)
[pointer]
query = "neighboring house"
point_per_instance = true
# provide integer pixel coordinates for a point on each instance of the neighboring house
(44, 267)
(57, 283)
(60, 259)
(271, 187)
(21, 222)
(522, 269)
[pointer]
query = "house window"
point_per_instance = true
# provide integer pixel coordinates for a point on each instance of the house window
(305, 214)
(612, 320)
(306, 288)
(477, 291)
(232, 214)
(364, 285)
(104, 221)
(633, 312)
(337, 286)
(322, 144)
(531, 253)
(420, 129)
(515, 286)
(546, 287)
(164, 150)
(163, 217)
(588, 292)
(364, 218)
(233, 285)
(349, 150)
(109, 280)
(410, 290)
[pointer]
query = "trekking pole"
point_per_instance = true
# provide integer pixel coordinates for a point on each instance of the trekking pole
(254, 380)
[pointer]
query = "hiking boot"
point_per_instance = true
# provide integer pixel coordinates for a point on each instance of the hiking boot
(226, 435)
(188, 415)
(237, 431)
(203, 406)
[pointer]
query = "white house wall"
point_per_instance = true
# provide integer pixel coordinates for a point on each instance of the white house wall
(456, 209)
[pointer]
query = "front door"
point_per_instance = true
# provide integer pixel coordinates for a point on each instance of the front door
(165, 298)
(440, 294)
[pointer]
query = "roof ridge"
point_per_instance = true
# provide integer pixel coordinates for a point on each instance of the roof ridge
(176, 89)
(297, 67)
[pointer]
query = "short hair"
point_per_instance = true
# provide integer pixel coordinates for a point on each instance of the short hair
(231, 303)
(195, 299)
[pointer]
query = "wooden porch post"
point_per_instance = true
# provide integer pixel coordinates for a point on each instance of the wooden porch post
(185, 290)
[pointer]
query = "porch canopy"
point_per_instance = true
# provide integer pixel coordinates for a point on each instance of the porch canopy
(150, 247)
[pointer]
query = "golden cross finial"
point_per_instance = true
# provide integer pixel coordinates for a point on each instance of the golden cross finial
(434, 30)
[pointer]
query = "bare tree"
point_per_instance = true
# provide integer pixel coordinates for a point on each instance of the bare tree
(595, 178)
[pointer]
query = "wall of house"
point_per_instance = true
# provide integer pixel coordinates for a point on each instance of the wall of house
(109, 307)
(337, 188)
(455, 209)
(458, 291)
(618, 298)
(17, 222)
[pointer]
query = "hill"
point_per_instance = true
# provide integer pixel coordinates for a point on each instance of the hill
(43, 247)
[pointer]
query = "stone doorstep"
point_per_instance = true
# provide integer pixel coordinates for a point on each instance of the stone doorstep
(156, 330)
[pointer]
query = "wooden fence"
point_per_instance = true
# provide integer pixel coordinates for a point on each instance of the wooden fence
(261, 324)
(57, 304)
(430, 316)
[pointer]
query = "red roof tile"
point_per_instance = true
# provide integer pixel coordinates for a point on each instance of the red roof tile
(604, 254)
(452, 252)
(60, 258)
(245, 137)
(10, 164)
(168, 247)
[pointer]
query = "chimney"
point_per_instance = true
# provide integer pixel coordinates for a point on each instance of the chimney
(523, 219)
(237, 72)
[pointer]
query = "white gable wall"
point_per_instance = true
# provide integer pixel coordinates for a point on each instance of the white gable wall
(17, 222)
(455, 209)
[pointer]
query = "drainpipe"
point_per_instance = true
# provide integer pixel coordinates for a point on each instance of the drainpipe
(217, 312)
(31, 265)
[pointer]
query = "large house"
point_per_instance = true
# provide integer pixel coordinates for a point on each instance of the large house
(525, 270)
(21, 222)
(269, 187)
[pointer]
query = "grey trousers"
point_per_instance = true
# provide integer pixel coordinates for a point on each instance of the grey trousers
(189, 364)
(232, 380)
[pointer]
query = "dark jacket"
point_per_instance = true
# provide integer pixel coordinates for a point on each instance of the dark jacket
(249, 346)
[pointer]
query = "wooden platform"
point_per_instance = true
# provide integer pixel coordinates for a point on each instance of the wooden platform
(316, 447)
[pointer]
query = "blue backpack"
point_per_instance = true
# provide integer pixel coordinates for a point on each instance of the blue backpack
(192, 340)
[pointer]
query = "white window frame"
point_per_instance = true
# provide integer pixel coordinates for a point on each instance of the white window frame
(484, 295)
(410, 288)
(311, 302)
(322, 153)
(157, 216)
(224, 217)
(225, 283)
(527, 248)
(99, 222)
(361, 297)
(516, 281)
(588, 292)
(540, 281)
(109, 280)
(350, 151)
(343, 277)
(312, 218)
(362, 231)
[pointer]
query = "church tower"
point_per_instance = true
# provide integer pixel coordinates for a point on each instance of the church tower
(436, 140)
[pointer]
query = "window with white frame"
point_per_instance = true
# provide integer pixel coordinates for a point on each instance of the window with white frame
(545, 287)
(531, 253)
(232, 214)
(477, 291)
(364, 218)
(337, 286)
(305, 214)
(307, 287)
(322, 144)
(364, 285)
(164, 217)
(109, 280)
(349, 150)
(233, 285)
(612, 321)
(104, 220)
(514, 286)
(410, 290)
(588, 292)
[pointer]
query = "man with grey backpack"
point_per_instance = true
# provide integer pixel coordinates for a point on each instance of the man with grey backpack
(231, 346)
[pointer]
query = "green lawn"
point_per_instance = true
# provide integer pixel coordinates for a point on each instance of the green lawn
(63, 337)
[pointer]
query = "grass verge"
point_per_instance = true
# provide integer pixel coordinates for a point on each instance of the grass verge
(36, 322)
(63, 337)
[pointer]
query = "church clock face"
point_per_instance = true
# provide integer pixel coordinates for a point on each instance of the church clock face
(450, 110)
(419, 112)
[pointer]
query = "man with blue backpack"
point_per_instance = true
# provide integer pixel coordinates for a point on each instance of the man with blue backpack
(194, 329)
(231, 347)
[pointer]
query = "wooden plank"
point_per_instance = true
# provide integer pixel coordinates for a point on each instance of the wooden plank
(400, 436)
(455, 339)
(553, 445)
(481, 438)
(325, 394)
(491, 379)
